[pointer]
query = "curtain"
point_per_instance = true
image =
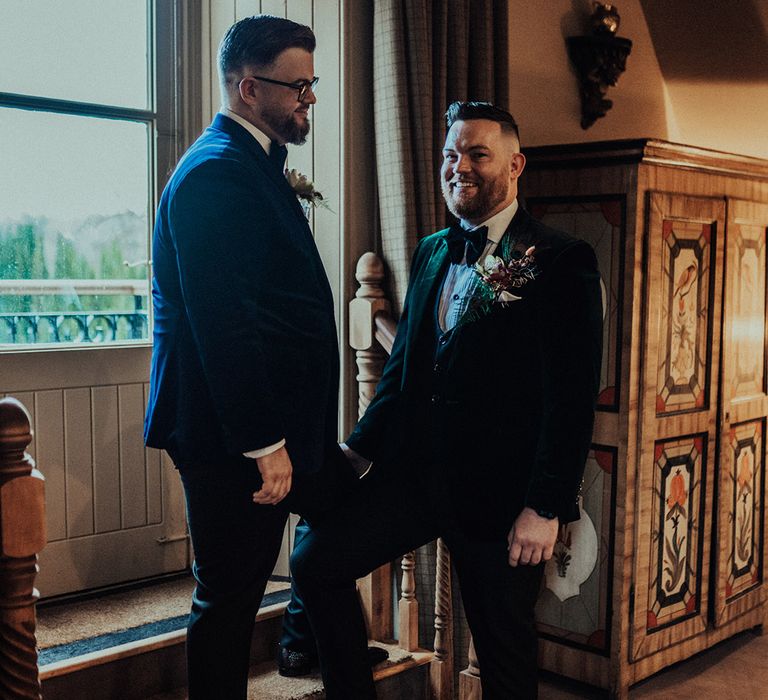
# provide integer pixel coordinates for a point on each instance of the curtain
(426, 54)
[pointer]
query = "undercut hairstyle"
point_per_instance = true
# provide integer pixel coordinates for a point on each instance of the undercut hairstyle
(257, 41)
(465, 111)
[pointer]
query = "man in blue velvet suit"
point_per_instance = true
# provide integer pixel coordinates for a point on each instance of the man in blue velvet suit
(244, 379)
(481, 422)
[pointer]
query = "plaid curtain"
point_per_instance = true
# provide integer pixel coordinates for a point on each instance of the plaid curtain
(426, 54)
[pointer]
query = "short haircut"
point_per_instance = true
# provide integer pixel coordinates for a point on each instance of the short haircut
(465, 111)
(259, 40)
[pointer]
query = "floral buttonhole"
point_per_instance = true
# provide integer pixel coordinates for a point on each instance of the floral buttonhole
(499, 282)
(500, 279)
(309, 196)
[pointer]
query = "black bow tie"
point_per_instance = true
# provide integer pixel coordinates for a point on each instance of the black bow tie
(277, 156)
(473, 242)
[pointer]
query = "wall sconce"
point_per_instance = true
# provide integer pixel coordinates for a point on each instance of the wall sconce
(599, 60)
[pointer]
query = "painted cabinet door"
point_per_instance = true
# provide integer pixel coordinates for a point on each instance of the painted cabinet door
(678, 413)
(574, 607)
(740, 574)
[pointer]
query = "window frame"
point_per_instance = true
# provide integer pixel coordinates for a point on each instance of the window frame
(173, 119)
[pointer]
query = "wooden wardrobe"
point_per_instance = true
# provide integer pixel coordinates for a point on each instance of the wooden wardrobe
(669, 555)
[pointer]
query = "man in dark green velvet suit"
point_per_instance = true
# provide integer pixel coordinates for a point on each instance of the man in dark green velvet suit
(481, 423)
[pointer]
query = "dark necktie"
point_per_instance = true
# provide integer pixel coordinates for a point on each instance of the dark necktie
(473, 242)
(277, 156)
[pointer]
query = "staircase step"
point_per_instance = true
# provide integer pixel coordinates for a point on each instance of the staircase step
(129, 645)
(139, 669)
(402, 677)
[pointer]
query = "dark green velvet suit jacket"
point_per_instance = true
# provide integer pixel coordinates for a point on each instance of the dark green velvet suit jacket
(500, 409)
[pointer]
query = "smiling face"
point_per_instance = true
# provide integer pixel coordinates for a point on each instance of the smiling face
(481, 164)
(276, 109)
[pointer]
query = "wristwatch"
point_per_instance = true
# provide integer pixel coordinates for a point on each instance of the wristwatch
(544, 513)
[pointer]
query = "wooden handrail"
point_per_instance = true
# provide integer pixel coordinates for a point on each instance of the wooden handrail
(22, 536)
(385, 330)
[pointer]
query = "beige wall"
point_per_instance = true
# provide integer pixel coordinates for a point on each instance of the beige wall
(715, 70)
(697, 74)
(543, 87)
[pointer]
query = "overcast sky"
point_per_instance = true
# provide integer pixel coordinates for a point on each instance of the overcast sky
(67, 167)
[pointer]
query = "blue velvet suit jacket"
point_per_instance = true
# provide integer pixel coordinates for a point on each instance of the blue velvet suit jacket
(245, 346)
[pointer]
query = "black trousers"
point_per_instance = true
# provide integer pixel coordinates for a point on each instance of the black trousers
(236, 544)
(389, 517)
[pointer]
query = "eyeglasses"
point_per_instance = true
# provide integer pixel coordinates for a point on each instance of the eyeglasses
(303, 86)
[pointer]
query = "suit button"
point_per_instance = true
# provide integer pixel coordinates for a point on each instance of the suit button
(443, 340)
(437, 367)
(435, 399)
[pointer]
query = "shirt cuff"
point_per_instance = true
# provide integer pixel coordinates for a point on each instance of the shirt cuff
(264, 451)
(360, 464)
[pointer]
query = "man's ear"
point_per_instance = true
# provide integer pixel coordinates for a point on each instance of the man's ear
(247, 88)
(518, 165)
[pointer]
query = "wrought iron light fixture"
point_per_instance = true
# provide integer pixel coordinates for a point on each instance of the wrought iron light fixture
(599, 60)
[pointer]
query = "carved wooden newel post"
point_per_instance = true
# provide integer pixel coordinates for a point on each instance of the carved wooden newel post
(22, 536)
(369, 300)
(375, 589)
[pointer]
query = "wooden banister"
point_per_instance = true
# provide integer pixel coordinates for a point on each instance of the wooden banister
(22, 536)
(441, 669)
(409, 605)
(385, 330)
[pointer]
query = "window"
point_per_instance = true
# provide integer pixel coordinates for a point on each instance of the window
(80, 121)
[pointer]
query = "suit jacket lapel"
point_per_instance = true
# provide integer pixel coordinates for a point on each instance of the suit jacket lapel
(429, 283)
(245, 139)
(518, 234)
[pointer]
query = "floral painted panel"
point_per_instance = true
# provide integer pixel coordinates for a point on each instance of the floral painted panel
(601, 221)
(745, 484)
(675, 561)
(683, 379)
(748, 310)
(574, 605)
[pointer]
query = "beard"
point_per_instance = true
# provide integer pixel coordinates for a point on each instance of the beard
(286, 127)
(487, 196)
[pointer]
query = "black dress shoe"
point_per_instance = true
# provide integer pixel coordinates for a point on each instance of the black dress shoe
(376, 655)
(295, 663)
(300, 663)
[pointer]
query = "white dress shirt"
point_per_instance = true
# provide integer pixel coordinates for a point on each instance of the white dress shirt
(461, 279)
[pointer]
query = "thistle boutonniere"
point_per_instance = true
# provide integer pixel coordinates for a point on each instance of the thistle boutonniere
(499, 280)
(304, 188)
